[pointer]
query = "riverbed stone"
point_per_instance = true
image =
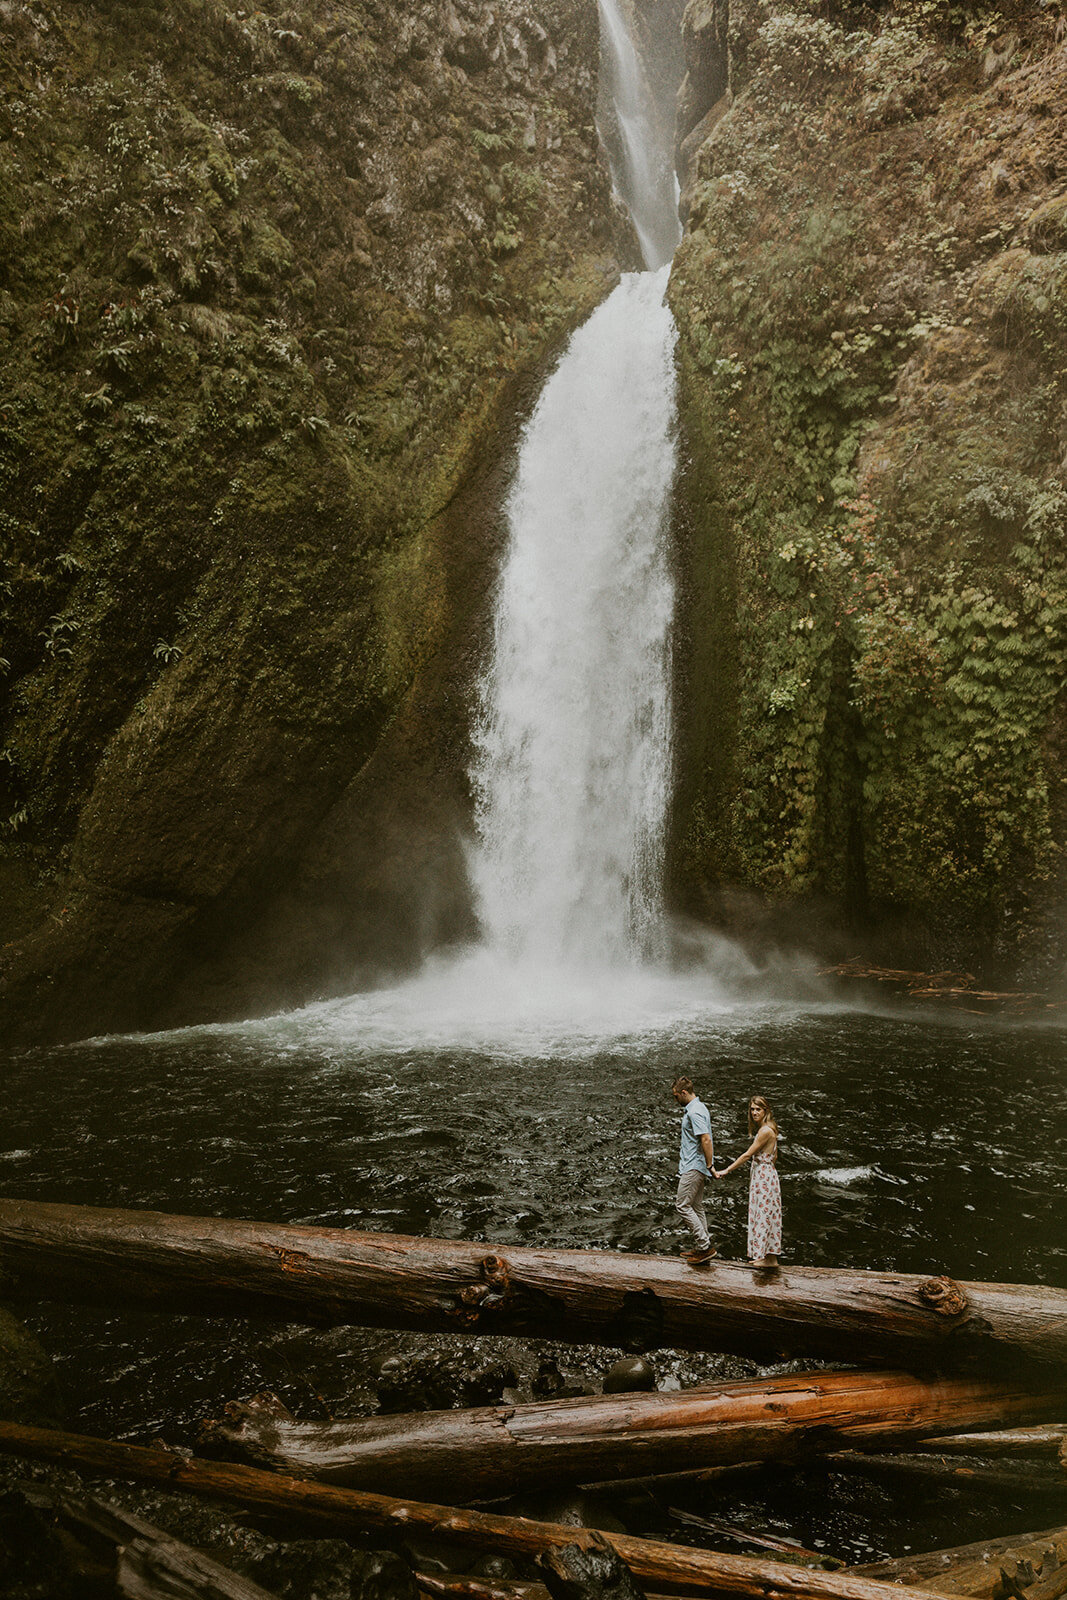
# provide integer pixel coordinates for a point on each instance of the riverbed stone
(630, 1373)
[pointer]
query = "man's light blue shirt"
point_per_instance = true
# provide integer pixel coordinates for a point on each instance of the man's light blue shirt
(697, 1120)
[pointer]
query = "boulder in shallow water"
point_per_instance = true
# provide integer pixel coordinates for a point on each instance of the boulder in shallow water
(631, 1373)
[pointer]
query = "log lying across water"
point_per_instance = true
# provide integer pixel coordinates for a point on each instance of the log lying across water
(1048, 1440)
(494, 1449)
(326, 1276)
(347, 1512)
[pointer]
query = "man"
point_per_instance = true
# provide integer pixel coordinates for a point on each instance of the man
(695, 1163)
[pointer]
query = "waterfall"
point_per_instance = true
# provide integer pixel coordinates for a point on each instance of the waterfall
(572, 767)
(638, 142)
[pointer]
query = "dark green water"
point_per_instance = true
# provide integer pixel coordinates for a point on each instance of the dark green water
(916, 1142)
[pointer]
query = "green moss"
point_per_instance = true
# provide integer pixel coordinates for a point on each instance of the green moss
(871, 391)
(252, 357)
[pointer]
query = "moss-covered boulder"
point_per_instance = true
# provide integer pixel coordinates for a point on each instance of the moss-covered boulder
(275, 284)
(871, 297)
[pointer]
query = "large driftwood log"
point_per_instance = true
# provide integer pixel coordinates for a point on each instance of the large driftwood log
(329, 1276)
(348, 1511)
(494, 1449)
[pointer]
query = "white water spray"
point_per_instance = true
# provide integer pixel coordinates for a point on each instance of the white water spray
(573, 739)
(572, 772)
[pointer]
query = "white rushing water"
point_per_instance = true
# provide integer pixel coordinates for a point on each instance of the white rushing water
(641, 153)
(572, 775)
(573, 736)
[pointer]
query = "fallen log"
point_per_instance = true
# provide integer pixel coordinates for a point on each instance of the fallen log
(485, 1588)
(327, 1276)
(348, 1512)
(1039, 1441)
(1034, 1479)
(495, 1449)
(135, 1558)
(968, 1569)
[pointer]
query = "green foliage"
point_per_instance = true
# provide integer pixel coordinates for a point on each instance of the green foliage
(873, 385)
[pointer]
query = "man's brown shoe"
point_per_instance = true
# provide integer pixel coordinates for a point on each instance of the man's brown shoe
(697, 1258)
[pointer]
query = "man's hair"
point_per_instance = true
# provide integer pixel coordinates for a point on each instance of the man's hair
(685, 1084)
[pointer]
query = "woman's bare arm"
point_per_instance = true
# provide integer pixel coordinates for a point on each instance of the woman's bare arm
(762, 1138)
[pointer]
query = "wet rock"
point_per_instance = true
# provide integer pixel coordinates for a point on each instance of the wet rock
(498, 1569)
(330, 1569)
(595, 1572)
(441, 1382)
(631, 1373)
(246, 820)
(33, 1564)
(548, 1382)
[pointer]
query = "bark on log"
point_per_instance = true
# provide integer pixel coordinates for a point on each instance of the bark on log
(327, 1276)
(1052, 1584)
(1041, 1441)
(968, 1569)
(142, 1562)
(347, 1512)
(494, 1449)
(468, 1588)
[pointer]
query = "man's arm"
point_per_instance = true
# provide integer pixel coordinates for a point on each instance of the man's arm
(708, 1149)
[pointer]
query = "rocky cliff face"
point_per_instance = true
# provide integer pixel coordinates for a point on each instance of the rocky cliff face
(276, 285)
(872, 296)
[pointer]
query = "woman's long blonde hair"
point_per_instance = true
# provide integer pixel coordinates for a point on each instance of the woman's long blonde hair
(769, 1118)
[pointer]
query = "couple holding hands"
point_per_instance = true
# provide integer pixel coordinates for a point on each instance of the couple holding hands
(696, 1164)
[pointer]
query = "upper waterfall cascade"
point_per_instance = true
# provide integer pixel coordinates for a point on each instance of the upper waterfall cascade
(573, 757)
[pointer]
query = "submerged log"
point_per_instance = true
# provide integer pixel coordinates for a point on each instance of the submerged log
(348, 1511)
(969, 1569)
(495, 1449)
(327, 1276)
(1035, 1478)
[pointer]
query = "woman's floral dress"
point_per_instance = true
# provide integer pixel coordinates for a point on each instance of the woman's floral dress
(764, 1207)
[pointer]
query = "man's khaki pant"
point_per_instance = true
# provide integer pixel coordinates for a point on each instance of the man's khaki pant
(690, 1203)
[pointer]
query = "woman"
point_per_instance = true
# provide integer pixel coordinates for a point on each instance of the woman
(764, 1192)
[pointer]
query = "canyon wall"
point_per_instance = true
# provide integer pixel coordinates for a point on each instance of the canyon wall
(277, 287)
(872, 299)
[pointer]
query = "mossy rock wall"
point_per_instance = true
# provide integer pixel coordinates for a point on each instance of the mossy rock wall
(872, 302)
(275, 284)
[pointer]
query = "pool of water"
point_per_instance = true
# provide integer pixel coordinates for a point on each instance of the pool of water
(913, 1141)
